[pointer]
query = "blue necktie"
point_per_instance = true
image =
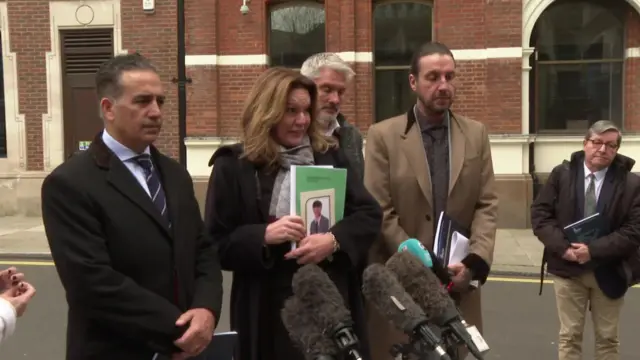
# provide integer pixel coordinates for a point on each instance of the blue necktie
(153, 183)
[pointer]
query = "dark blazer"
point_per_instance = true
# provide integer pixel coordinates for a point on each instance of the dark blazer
(321, 226)
(119, 261)
(559, 205)
(237, 221)
(350, 140)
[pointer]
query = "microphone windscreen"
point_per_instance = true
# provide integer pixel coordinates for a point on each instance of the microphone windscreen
(382, 289)
(304, 332)
(420, 282)
(319, 296)
(415, 247)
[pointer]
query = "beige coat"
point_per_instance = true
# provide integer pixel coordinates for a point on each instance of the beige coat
(397, 175)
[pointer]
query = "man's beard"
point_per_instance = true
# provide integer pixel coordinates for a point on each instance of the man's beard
(430, 108)
(326, 120)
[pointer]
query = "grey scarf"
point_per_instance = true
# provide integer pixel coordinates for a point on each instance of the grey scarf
(280, 197)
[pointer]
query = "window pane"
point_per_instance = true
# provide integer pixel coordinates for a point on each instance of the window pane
(296, 33)
(573, 97)
(393, 94)
(399, 28)
(576, 30)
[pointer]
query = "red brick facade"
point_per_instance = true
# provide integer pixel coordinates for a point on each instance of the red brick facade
(488, 90)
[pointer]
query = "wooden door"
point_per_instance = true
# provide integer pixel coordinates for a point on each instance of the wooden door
(83, 51)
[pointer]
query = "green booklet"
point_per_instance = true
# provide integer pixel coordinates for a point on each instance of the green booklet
(318, 196)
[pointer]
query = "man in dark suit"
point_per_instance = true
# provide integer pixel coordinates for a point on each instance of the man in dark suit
(320, 223)
(141, 277)
(596, 180)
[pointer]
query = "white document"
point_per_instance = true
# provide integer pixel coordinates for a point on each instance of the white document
(459, 250)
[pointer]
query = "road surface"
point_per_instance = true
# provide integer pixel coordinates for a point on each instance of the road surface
(519, 324)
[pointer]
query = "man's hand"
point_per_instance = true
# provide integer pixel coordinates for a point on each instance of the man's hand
(312, 249)
(581, 252)
(461, 277)
(198, 335)
(10, 277)
(570, 255)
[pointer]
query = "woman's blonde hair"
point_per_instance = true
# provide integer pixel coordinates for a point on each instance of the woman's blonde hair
(266, 106)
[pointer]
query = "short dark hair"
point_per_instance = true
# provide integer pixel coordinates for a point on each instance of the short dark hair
(426, 49)
(110, 72)
(316, 204)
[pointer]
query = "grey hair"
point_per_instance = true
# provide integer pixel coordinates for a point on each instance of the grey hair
(110, 73)
(315, 63)
(602, 126)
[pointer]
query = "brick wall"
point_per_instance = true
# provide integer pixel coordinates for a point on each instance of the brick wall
(218, 93)
(155, 36)
(30, 40)
(488, 90)
(632, 75)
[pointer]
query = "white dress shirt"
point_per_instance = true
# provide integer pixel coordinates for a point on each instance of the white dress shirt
(599, 179)
(127, 156)
(8, 318)
(333, 127)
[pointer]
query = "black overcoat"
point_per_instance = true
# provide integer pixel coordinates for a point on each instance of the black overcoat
(118, 259)
(237, 220)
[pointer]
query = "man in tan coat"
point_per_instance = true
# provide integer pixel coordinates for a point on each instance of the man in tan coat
(424, 162)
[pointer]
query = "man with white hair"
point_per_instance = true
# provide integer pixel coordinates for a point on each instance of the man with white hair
(332, 76)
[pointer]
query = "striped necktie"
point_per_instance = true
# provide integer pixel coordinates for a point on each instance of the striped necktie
(153, 183)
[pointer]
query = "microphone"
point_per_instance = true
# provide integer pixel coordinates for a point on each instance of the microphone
(320, 298)
(305, 332)
(381, 288)
(440, 309)
(428, 259)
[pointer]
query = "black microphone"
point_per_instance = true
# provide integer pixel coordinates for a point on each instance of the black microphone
(305, 332)
(425, 288)
(382, 289)
(428, 259)
(319, 297)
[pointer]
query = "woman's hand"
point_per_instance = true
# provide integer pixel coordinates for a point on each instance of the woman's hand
(9, 277)
(18, 296)
(313, 249)
(287, 228)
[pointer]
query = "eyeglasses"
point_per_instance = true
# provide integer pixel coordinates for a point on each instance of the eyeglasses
(598, 144)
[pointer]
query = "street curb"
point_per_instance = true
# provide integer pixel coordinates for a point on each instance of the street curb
(522, 273)
(46, 256)
(25, 256)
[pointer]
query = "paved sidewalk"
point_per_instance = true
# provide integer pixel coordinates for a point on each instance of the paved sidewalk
(517, 251)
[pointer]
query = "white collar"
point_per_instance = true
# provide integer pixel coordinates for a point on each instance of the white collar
(333, 127)
(598, 174)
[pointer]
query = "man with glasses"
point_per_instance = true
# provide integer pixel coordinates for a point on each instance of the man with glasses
(590, 273)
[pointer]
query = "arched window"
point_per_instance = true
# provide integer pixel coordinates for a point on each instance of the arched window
(578, 72)
(399, 29)
(296, 31)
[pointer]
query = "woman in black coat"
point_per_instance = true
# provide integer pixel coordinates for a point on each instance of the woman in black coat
(247, 214)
